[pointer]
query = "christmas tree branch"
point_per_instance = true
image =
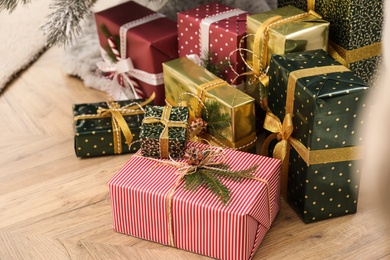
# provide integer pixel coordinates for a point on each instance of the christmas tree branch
(64, 23)
(10, 5)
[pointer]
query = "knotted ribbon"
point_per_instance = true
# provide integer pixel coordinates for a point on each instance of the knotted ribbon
(258, 65)
(124, 66)
(282, 131)
(119, 124)
(215, 157)
(164, 137)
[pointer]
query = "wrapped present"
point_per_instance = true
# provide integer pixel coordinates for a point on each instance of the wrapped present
(212, 32)
(164, 131)
(355, 31)
(107, 128)
(135, 41)
(156, 200)
(228, 112)
(315, 105)
(280, 31)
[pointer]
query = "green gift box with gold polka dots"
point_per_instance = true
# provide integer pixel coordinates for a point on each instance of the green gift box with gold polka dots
(355, 31)
(99, 130)
(164, 131)
(325, 100)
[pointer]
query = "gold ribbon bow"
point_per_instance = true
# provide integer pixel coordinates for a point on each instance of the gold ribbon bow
(214, 158)
(164, 137)
(282, 132)
(119, 124)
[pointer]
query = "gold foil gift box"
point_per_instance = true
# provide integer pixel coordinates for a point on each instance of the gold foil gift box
(280, 31)
(219, 113)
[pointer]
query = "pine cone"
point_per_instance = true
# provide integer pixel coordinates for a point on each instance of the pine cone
(198, 126)
(193, 156)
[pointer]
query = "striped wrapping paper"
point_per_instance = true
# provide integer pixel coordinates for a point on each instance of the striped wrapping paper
(201, 223)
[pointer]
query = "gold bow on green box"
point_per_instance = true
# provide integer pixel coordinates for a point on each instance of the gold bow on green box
(108, 127)
(313, 117)
(164, 131)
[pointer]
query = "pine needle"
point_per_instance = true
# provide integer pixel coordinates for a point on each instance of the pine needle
(10, 5)
(215, 186)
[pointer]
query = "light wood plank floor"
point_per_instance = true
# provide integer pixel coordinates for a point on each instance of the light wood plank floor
(56, 206)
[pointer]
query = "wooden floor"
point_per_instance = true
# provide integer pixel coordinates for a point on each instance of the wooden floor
(56, 206)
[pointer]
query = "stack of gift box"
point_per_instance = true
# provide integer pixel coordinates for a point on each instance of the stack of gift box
(202, 89)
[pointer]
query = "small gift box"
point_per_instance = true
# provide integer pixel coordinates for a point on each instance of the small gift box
(315, 105)
(219, 112)
(279, 31)
(164, 131)
(107, 128)
(212, 32)
(158, 200)
(135, 41)
(355, 31)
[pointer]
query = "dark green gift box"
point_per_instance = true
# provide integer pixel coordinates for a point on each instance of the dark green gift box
(355, 30)
(95, 131)
(326, 109)
(169, 120)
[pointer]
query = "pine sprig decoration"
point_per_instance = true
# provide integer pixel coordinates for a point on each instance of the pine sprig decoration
(106, 33)
(10, 5)
(211, 176)
(214, 68)
(63, 25)
(217, 121)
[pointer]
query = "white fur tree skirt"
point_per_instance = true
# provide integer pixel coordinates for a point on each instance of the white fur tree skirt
(22, 42)
(80, 59)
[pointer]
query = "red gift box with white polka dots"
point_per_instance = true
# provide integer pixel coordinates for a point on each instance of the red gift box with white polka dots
(213, 31)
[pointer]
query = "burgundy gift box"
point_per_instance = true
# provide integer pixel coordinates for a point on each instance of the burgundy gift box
(213, 31)
(148, 44)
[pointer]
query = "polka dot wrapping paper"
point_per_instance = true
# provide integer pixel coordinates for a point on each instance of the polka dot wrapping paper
(183, 79)
(95, 134)
(326, 117)
(355, 31)
(226, 27)
(148, 45)
(200, 222)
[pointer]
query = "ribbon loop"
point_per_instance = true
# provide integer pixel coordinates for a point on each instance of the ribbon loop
(118, 122)
(124, 66)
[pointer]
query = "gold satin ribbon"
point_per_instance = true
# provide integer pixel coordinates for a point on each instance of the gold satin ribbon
(119, 124)
(214, 158)
(282, 131)
(346, 57)
(164, 137)
(311, 5)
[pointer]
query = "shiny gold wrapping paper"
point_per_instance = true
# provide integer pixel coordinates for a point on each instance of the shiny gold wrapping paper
(182, 78)
(308, 33)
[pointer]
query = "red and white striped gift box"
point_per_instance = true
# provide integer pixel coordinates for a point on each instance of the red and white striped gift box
(201, 223)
